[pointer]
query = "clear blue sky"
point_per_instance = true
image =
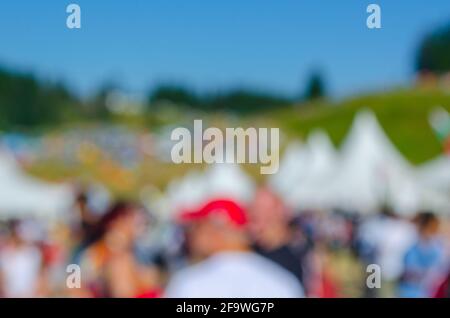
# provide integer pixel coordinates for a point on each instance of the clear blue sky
(209, 44)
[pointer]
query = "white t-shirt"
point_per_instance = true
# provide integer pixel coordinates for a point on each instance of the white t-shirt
(234, 275)
(396, 237)
(391, 239)
(20, 271)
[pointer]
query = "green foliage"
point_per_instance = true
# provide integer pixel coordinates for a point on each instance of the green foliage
(403, 115)
(244, 101)
(26, 102)
(434, 52)
(96, 107)
(315, 88)
(175, 94)
(239, 100)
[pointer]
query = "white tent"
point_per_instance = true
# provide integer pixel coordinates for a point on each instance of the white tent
(434, 177)
(22, 195)
(293, 167)
(219, 181)
(372, 172)
(319, 167)
(229, 181)
(436, 174)
(367, 173)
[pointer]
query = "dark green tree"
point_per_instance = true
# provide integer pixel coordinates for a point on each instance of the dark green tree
(96, 107)
(434, 52)
(237, 100)
(178, 95)
(245, 101)
(315, 87)
(28, 102)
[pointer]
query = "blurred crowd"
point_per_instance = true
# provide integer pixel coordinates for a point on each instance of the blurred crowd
(225, 249)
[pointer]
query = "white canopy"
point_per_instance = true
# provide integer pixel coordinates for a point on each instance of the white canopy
(434, 177)
(372, 172)
(436, 174)
(307, 169)
(367, 172)
(219, 181)
(22, 195)
(293, 167)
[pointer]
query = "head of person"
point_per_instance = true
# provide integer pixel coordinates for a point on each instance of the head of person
(269, 218)
(427, 224)
(81, 200)
(387, 211)
(217, 226)
(84, 215)
(15, 235)
(121, 225)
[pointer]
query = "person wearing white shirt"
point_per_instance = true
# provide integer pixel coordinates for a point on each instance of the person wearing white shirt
(228, 269)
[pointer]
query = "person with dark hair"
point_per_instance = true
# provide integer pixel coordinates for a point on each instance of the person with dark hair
(424, 261)
(83, 223)
(272, 231)
(109, 264)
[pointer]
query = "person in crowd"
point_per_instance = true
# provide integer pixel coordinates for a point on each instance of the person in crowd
(83, 223)
(385, 238)
(443, 288)
(87, 219)
(109, 264)
(225, 264)
(272, 230)
(20, 265)
(424, 261)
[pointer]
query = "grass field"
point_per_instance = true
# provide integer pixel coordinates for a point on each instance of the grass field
(403, 115)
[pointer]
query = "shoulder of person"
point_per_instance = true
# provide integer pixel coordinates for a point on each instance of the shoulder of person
(280, 276)
(180, 284)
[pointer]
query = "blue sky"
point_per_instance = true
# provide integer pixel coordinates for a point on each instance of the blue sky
(217, 44)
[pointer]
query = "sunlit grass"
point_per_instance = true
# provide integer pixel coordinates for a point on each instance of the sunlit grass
(403, 114)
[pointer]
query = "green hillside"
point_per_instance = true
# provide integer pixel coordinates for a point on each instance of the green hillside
(403, 115)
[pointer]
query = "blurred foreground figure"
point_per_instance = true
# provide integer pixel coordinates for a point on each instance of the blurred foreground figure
(217, 235)
(424, 262)
(20, 265)
(443, 289)
(109, 265)
(271, 229)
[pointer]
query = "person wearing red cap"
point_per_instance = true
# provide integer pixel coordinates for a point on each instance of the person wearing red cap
(217, 236)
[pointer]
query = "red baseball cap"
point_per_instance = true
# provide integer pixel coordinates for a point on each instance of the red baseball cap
(223, 207)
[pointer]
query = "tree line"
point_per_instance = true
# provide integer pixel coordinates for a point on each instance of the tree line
(27, 101)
